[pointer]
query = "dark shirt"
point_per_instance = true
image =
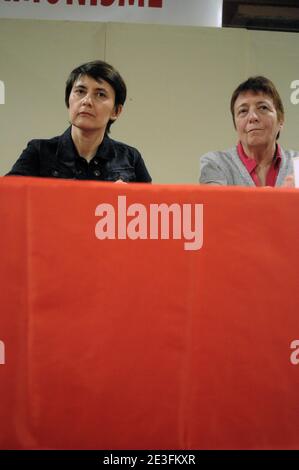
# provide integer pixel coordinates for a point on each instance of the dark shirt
(58, 158)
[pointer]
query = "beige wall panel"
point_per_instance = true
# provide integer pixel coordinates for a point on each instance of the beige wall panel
(179, 81)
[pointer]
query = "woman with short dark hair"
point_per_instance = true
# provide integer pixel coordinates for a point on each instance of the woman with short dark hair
(94, 95)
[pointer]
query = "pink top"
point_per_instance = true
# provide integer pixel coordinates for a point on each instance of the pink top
(250, 165)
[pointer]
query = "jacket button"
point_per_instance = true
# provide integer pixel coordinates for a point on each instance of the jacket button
(55, 173)
(97, 173)
(96, 162)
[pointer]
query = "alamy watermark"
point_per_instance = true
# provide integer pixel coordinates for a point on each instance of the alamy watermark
(294, 98)
(152, 221)
(294, 357)
(2, 352)
(2, 92)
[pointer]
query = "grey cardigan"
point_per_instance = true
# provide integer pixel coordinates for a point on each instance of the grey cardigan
(226, 168)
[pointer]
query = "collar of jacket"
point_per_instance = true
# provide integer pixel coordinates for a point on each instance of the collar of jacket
(67, 150)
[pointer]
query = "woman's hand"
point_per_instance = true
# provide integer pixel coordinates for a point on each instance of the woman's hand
(289, 182)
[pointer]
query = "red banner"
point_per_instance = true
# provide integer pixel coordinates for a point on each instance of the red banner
(132, 343)
(177, 12)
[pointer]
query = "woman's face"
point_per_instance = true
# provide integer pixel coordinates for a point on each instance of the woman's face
(92, 104)
(256, 120)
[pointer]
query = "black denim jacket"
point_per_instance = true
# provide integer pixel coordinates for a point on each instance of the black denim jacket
(58, 158)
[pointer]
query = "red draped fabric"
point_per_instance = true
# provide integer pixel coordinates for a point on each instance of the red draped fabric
(142, 344)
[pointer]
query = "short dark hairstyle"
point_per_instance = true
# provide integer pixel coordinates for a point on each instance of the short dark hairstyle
(259, 84)
(99, 70)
